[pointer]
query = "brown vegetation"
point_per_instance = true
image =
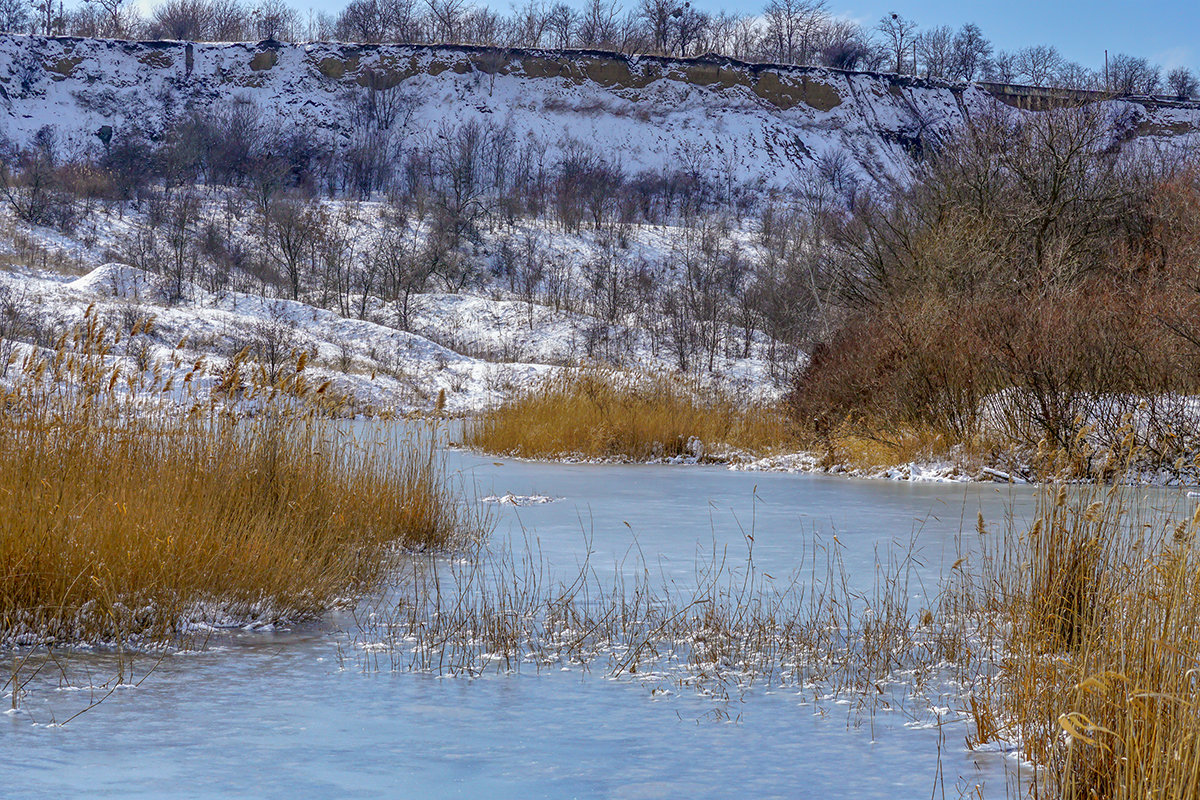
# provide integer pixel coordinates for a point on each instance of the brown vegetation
(122, 518)
(1033, 283)
(1092, 611)
(605, 414)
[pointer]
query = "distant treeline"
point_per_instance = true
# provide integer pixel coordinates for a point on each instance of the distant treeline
(784, 32)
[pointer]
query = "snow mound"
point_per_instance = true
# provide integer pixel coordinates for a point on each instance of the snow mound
(121, 281)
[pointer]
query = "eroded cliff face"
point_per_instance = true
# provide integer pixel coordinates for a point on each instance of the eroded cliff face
(715, 117)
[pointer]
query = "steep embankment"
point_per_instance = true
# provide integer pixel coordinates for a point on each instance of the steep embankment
(713, 117)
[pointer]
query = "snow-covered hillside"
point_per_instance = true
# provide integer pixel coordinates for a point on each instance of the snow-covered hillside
(714, 118)
(656, 292)
(468, 350)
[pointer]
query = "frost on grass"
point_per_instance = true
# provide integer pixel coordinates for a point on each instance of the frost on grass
(1034, 642)
(737, 630)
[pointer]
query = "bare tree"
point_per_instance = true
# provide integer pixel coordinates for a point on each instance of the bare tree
(1003, 68)
(291, 234)
(482, 26)
(44, 16)
(689, 28)
(182, 19)
(114, 14)
(447, 18)
(274, 20)
(1038, 65)
(846, 47)
(362, 21)
(530, 24)
(1072, 75)
(30, 183)
(935, 49)
(720, 33)
(1132, 75)
(12, 325)
(379, 21)
(658, 15)
(1182, 83)
(15, 16)
(180, 267)
(560, 25)
(456, 163)
(971, 53)
(597, 26)
(792, 27)
(898, 33)
(229, 20)
(747, 38)
(334, 252)
(273, 341)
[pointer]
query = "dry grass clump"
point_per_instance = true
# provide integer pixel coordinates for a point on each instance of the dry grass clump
(867, 448)
(123, 517)
(1097, 610)
(604, 414)
(736, 627)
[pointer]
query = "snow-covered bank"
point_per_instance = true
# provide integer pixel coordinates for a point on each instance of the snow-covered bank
(717, 118)
(937, 470)
(379, 368)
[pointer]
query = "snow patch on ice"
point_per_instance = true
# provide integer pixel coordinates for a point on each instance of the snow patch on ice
(510, 499)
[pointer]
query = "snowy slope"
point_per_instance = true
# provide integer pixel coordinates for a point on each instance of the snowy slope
(380, 368)
(474, 351)
(763, 125)
(711, 117)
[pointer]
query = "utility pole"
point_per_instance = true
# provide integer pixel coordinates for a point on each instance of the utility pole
(1107, 88)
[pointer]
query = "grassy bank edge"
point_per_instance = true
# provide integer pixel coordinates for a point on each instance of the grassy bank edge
(128, 517)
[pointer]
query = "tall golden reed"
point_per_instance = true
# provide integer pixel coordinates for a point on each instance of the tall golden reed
(122, 516)
(601, 413)
(1096, 608)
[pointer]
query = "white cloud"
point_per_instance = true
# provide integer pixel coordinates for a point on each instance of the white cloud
(851, 16)
(1176, 57)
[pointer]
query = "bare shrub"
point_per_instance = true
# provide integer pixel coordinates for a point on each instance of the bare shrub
(273, 342)
(1024, 288)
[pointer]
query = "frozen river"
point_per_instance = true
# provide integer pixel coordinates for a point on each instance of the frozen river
(289, 714)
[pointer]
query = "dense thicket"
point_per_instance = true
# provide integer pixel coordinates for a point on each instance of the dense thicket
(1037, 281)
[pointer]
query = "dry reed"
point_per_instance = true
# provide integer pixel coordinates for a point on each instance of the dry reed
(126, 517)
(731, 628)
(597, 413)
(865, 448)
(1094, 611)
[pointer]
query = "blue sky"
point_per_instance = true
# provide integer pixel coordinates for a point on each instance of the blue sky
(1165, 32)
